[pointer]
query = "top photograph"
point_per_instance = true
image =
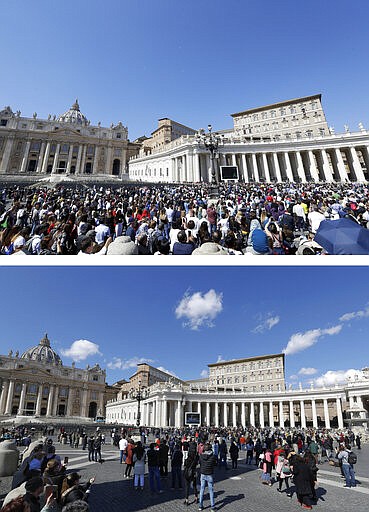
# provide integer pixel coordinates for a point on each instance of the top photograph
(225, 146)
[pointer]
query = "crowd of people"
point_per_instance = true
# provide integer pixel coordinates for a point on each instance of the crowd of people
(192, 458)
(261, 219)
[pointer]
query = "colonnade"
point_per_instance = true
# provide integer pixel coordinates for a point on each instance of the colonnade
(49, 157)
(344, 163)
(45, 400)
(287, 411)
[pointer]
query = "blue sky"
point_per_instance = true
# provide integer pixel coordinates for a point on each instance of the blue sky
(195, 61)
(183, 318)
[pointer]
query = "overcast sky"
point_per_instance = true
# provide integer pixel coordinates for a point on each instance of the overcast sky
(195, 61)
(183, 318)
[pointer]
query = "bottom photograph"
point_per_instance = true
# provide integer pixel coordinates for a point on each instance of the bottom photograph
(167, 388)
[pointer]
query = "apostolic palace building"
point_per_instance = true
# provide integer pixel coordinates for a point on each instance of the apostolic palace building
(285, 141)
(241, 392)
(37, 384)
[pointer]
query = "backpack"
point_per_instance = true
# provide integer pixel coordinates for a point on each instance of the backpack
(352, 458)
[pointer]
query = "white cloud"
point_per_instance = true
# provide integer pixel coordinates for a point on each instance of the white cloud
(308, 371)
(124, 364)
(200, 309)
(355, 314)
(204, 374)
(81, 350)
(293, 377)
(302, 341)
(266, 324)
(333, 377)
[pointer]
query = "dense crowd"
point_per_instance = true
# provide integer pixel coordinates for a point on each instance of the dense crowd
(192, 458)
(268, 219)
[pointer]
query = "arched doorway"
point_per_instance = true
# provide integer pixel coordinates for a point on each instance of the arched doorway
(88, 168)
(92, 410)
(116, 167)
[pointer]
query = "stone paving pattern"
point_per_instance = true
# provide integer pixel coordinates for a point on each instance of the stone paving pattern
(235, 490)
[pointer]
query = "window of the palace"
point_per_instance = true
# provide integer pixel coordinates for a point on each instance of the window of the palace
(63, 392)
(119, 135)
(282, 111)
(35, 146)
(3, 122)
(45, 391)
(24, 125)
(273, 113)
(321, 131)
(64, 148)
(18, 388)
(264, 115)
(32, 389)
(95, 378)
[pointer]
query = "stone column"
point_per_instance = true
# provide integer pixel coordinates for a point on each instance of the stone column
(216, 419)
(341, 166)
(165, 412)
(266, 167)
(255, 167)
(208, 418)
(83, 163)
(312, 167)
(243, 414)
(70, 402)
(22, 399)
(41, 157)
(96, 160)
(244, 168)
(6, 156)
(326, 413)
(3, 397)
(196, 167)
(281, 415)
(234, 161)
(79, 158)
(326, 167)
(252, 414)
(339, 412)
(179, 413)
(271, 415)
(46, 158)
(56, 158)
(302, 414)
(300, 167)
(55, 408)
(277, 168)
(315, 419)
(292, 415)
(234, 415)
(357, 166)
(49, 409)
(261, 414)
(9, 400)
(108, 160)
(25, 157)
(189, 163)
(70, 155)
(39, 399)
(225, 414)
(288, 167)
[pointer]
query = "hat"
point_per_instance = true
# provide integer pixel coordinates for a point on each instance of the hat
(122, 245)
(210, 249)
(34, 483)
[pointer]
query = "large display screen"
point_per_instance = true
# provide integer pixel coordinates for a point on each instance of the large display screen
(192, 418)
(229, 172)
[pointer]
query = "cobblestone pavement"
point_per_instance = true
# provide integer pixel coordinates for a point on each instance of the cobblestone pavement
(235, 490)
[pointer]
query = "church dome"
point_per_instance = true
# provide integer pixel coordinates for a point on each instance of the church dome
(73, 115)
(42, 353)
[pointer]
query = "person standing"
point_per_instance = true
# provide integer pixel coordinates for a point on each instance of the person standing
(233, 452)
(123, 443)
(153, 465)
(190, 475)
(208, 462)
(177, 458)
(347, 468)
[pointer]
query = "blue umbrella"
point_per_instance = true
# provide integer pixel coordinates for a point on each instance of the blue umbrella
(342, 236)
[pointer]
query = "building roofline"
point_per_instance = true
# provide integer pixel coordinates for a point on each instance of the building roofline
(276, 105)
(256, 358)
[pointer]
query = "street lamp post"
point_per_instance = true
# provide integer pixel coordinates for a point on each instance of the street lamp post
(139, 395)
(211, 142)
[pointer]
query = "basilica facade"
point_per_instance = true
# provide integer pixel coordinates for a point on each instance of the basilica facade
(67, 145)
(247, 392)
(289, 141)
(37, 384)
